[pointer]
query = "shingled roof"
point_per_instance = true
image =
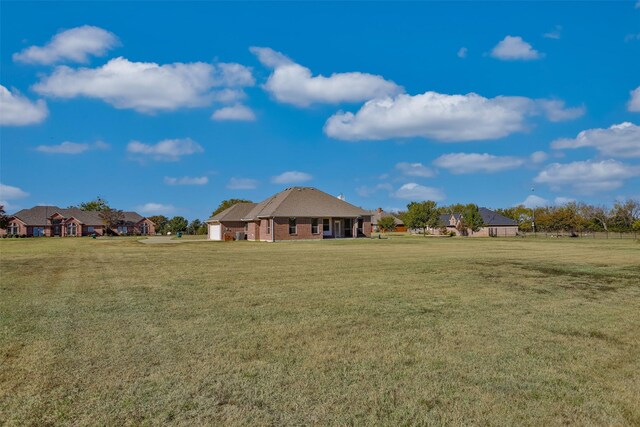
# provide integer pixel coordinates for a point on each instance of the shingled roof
(492, 218)
(38, 215)
(233, 213)
(304, 202)
(489, 218)
(375, 217)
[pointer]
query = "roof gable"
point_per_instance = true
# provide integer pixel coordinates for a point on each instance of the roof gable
(304, 202)
(233, 213)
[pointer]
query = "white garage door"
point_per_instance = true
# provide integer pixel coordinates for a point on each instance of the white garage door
(215, 231)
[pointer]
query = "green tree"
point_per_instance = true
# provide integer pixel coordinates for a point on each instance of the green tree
(387, 223)
(624, 214)
(161, 222)
(4, 219)
(97, 204)
(227, 204)
(111, 218)
(176, 224)
(470, 218)
(422, 215)
(194, 226)
(521, 214)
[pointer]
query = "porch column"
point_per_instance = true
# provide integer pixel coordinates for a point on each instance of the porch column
(354, 228)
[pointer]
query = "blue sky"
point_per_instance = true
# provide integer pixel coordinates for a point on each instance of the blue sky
(169, 108)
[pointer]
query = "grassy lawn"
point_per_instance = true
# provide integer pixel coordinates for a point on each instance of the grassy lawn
(396, 331)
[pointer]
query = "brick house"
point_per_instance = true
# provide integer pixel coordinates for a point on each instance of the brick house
(296, 213)
(379, 213)
(52, 221)
(495, 225)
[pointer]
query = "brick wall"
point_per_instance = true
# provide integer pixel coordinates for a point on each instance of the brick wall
(230, 228)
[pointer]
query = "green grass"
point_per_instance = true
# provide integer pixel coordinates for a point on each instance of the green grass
(398, 331)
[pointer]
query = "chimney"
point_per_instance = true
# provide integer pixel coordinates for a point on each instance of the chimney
(379, 210)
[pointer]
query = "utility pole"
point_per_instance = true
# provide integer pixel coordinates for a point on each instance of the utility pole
(533, 215)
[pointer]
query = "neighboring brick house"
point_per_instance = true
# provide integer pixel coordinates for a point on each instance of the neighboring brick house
(52, 221)
(379, 213)
(495, 225)
(293, 214)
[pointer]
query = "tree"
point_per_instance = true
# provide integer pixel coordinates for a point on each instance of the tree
(521, 214)
(387, 223)
(111, 218)
(194, 226)
(227, 204)
(160, 221)
(422, 215)
(624, 214)
(96, 205)
(596, 217)
(176, 224)
(470, 218)
(4, 220)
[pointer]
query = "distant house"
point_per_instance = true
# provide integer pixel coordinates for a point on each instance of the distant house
(52, 221)
(293, 214)
(379, 213)
(495, 225)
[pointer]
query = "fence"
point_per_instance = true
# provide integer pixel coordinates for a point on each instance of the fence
(582, 234)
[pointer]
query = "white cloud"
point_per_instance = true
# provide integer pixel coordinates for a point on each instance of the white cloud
(534, 201)
(9, 192)
(291, 177)
(432, 115)
(417, 192)
(556, 33)
(76, 45)
(294, 84)
(461, 163)
(555, 111)
(587, 177)
(634, 101)
(152, 208)
(621, 140)
(515, 48)
(539, 157)
(145, 86)
(563, 200)
(462, 53)
(169, 150)
(18, 110)
(242, 184)
(441, 117)
(236, 112)
(68, 147)
(415, 169)
(186, 180)
(637, 4)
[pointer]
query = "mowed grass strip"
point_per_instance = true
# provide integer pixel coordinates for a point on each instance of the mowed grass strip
(398, 331)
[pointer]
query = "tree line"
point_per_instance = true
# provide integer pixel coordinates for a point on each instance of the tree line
(573, 217)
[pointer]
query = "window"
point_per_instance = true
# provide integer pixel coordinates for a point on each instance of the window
(13, 229)
(72, 229)
(90, 229)
(326, 225)
(314, 226)
(122, 229)
(38, 231)
(293, 228)
(268, 226)
(144, 228)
